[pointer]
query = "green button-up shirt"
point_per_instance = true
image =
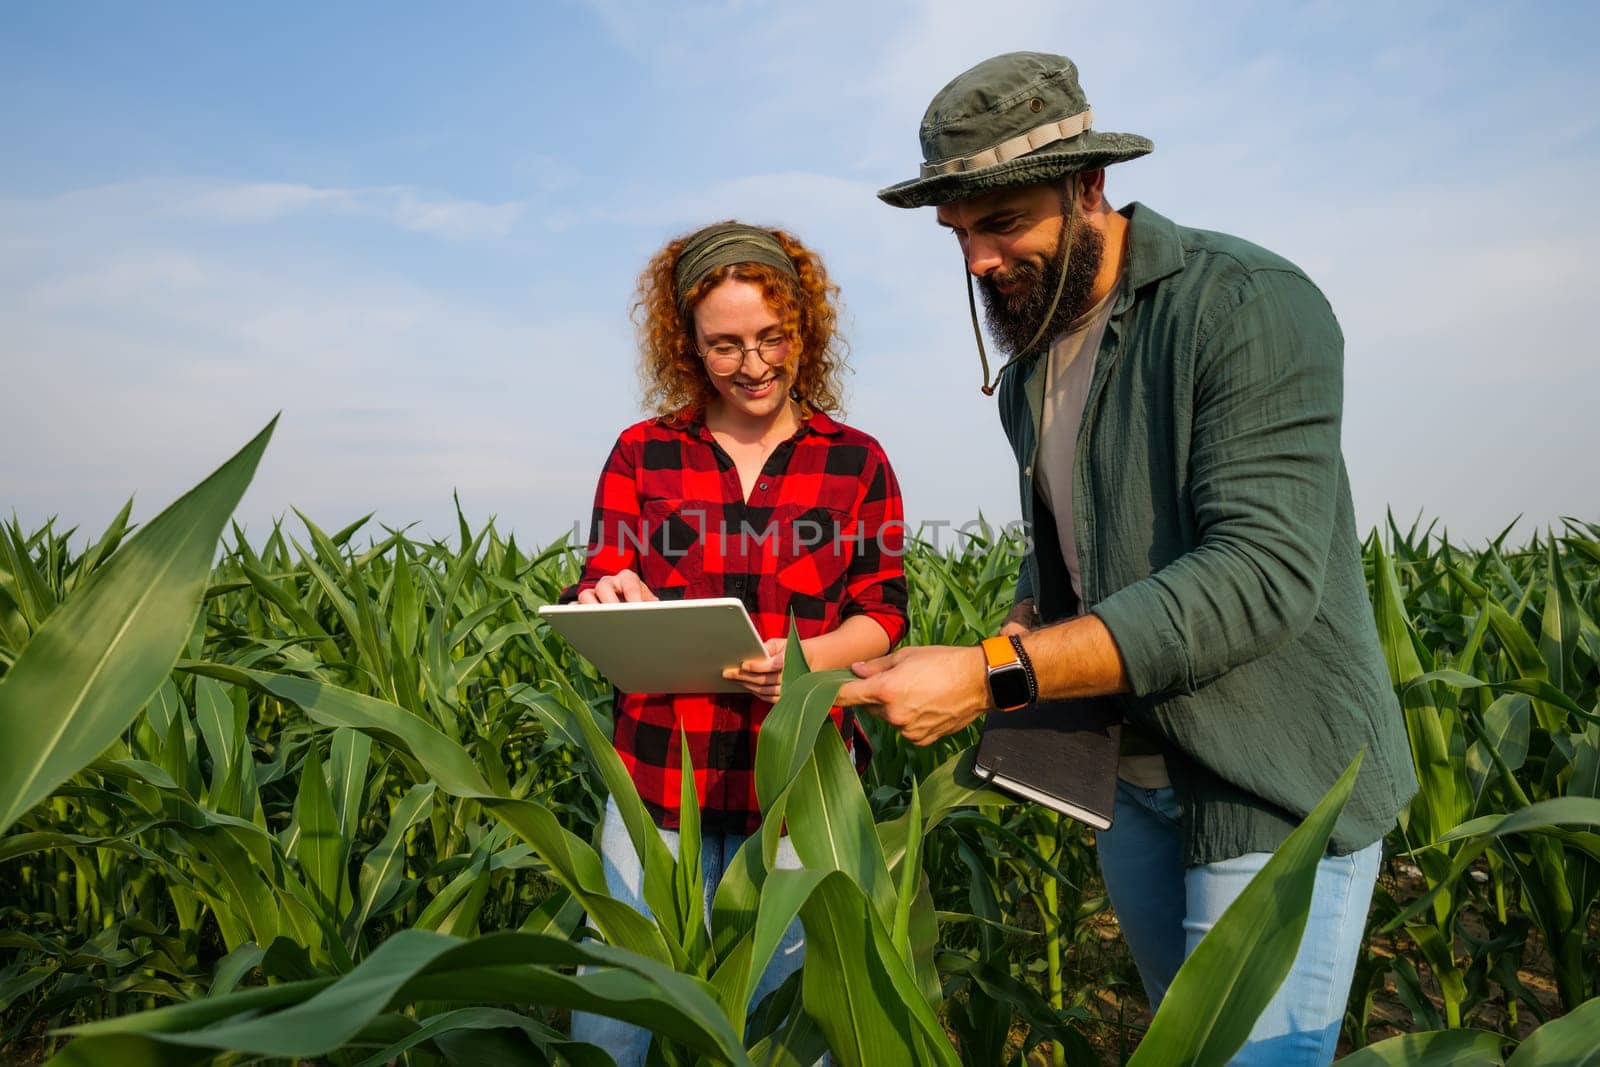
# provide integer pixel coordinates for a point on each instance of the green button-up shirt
(1217, 541)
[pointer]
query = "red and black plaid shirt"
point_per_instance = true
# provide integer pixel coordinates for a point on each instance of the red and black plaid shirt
(821, 537)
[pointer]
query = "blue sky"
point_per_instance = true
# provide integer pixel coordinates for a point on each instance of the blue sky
(415, 232)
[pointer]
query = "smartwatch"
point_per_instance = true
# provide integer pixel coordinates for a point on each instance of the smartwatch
(1011, 682)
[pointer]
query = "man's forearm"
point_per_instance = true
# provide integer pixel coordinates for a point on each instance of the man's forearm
(1076, 658)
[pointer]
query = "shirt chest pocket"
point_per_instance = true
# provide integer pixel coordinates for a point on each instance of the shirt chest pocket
(813, 550)
(672, 547)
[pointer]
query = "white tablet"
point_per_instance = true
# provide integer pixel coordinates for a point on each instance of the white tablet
(661, 646)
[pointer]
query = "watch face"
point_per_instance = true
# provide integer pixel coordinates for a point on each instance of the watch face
(1008, 687)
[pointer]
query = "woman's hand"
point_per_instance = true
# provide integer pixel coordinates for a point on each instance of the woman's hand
(762, 677)
(623, 587)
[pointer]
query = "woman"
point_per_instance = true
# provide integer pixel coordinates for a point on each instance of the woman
(741, 486)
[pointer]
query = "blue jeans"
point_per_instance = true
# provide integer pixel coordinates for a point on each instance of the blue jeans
(1165, 909)
(627, 1043)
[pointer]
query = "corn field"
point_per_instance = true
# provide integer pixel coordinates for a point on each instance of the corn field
(345, 813)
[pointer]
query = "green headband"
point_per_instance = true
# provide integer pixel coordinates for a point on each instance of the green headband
(723, 245)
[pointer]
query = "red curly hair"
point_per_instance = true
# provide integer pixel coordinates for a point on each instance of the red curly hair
(671, 371)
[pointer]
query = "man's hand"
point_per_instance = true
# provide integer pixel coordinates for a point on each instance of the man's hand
(926, 693)
(1020, 619)
(762, 677)
(621, 587)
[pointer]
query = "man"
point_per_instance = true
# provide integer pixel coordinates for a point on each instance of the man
(1173, 398)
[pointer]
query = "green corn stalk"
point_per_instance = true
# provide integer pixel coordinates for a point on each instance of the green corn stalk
(1441, 804)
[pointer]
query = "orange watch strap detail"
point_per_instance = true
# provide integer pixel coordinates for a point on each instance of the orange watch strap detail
(998, 652)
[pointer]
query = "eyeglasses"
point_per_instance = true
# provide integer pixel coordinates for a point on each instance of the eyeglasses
(725, 357)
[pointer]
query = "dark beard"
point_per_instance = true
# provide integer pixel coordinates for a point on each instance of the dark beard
(1013, 320)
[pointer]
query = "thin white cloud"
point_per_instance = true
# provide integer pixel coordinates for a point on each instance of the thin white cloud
(460, 219)
(260, 201)
(402, 206)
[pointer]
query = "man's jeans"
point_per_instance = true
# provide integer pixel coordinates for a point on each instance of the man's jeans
(1164, 910)
(627, 1043)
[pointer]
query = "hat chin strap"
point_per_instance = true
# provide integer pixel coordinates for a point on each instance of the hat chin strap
(1055, 301)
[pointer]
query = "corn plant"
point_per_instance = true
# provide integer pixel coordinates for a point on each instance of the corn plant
(1501, 708)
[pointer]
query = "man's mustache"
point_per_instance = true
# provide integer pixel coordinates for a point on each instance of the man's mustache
(1022, 279)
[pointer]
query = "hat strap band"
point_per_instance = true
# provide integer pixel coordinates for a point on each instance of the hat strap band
(1014, 147)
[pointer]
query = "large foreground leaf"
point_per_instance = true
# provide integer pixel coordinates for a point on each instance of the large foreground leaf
(101, 656)
(465, 1021)
(858, 989)
(313, 1018)
(1237, 967)
(1570, 1041)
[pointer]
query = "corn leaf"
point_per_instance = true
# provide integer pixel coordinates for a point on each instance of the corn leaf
(1436, 1048)
(857, 988)
(1570, 1041)
(1558, 625)
(572, 861)
(316, 1017)
(98, 659)
(1439, 803)
(831, 824)
(383, 867)
(555, 1046)
(318, 846)
(1237, 967)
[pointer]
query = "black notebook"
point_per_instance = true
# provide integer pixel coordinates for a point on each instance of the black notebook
(1059, 753)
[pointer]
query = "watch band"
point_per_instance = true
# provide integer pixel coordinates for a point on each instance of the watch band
(998, 652)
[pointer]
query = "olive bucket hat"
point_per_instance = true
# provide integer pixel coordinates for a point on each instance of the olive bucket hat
(1014, 119)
